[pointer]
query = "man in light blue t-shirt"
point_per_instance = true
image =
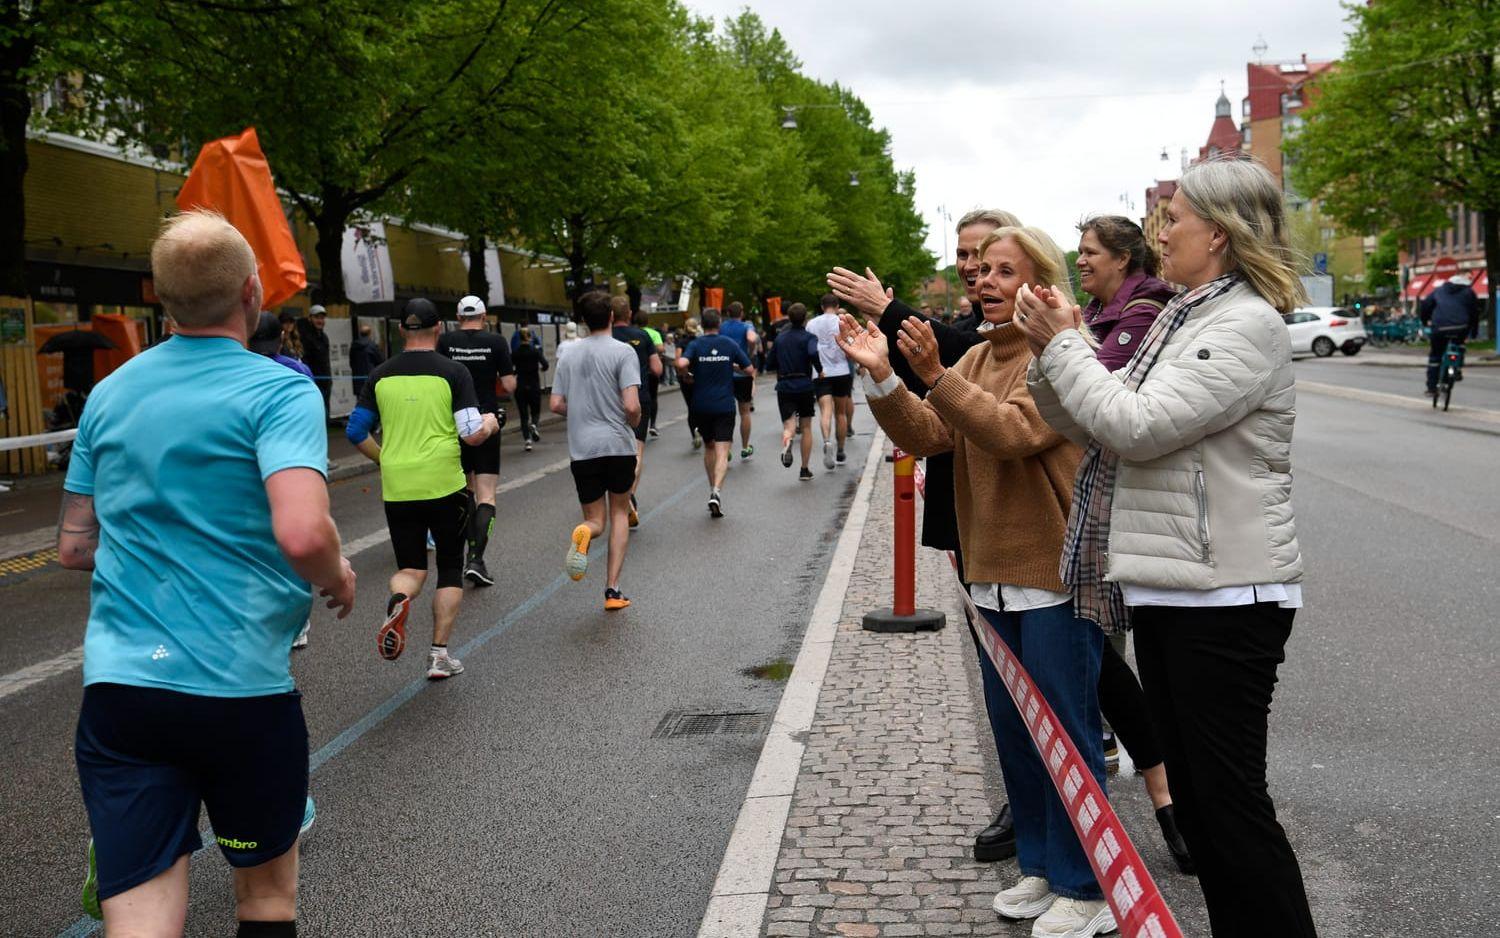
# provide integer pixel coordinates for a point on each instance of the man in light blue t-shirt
(197, 497)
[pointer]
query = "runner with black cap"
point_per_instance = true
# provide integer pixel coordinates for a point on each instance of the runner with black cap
(425, 405)
(487, 356)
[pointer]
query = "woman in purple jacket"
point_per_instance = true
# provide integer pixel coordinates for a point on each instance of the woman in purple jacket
(1117, 268)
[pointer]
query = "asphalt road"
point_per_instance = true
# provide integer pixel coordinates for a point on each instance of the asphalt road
(527, 796)
(1479, 388)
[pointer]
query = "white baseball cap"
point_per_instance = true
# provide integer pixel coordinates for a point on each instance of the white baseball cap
(471, 306)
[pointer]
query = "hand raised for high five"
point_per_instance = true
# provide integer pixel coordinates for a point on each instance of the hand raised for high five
(865, 345)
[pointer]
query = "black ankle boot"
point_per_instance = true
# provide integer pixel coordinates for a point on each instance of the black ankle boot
(1167, 818)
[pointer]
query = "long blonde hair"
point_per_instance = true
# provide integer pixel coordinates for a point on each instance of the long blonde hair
(1241, 196)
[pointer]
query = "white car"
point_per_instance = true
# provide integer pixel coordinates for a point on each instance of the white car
(1322, 330)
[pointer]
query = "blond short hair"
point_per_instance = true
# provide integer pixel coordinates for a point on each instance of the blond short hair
(1047, 260)
(1240, 196)
(619, 304)
(199, 264)
(998, 217)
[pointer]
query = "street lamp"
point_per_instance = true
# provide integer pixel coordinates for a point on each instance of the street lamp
(947, 284)
(853, 178)
(789, 112)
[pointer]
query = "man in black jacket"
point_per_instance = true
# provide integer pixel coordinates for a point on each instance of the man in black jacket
(1452, 313)
(315, 351)
(364, 355)
(940, 518)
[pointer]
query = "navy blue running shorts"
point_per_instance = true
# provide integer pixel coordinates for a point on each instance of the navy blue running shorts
(148, 758)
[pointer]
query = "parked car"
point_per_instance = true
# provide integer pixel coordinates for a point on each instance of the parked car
(1322, 330)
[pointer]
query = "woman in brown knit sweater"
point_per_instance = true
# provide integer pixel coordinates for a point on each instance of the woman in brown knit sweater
(1013, 483)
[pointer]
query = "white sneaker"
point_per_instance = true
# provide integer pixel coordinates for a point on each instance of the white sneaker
(827, 454)
(1026, 899)
(442, 665)
(1075, 918)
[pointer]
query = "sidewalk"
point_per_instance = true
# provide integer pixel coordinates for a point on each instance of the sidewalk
(898, 774)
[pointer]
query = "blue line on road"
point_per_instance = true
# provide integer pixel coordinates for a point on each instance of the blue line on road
(87, 926)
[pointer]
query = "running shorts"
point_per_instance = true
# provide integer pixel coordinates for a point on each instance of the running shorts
(594, 477)
(716, 428)
(148, 758)
(483, 459)
(799, 404)
(744, 389)
(836, 385)
(447, 518)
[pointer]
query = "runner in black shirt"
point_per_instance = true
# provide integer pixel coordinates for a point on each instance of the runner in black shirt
(650, 361)
(530, 363)
(487, 356)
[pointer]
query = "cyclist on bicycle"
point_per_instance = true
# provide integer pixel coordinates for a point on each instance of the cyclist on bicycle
(1452, 313)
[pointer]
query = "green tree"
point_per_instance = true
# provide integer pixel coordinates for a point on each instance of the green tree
(1382, 268)
(353, 99)
(1409, 123)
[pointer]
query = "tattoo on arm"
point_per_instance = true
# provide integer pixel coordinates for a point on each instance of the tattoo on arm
(77, 531)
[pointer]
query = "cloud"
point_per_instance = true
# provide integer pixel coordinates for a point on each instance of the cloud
(1053, 110)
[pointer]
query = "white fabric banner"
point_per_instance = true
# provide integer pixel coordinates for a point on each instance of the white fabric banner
(685, 297)
(340, 336)
(367, 265)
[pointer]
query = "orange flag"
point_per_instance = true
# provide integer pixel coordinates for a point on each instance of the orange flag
(713, 297)
(232, 177)
(773, 307)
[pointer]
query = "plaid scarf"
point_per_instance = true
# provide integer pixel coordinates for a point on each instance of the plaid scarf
(1086, 545)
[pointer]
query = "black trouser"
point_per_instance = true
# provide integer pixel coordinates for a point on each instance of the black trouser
(1123, 704)
(654, 384)
(1209, 675)
(1437, 345)
(325, 388)
(529, 406)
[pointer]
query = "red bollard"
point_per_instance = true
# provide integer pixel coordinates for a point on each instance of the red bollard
(903, 614)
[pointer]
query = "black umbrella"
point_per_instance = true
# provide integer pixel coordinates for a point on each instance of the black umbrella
(77, 340)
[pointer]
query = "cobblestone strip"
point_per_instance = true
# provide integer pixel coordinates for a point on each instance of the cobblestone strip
(892, 789)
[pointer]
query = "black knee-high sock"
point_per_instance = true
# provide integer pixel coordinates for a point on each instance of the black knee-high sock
(267, 930)
(481, 522)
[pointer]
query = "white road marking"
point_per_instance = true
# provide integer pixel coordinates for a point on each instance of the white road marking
(1396, 400)
(737, 906)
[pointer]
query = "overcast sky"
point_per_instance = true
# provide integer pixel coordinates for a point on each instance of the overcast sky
(1052, 110)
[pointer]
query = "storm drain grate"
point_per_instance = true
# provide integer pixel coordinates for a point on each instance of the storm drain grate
(690, 723)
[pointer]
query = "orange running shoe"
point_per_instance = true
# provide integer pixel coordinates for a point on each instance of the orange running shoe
(614, 599)
(390, 641)
(577, 562)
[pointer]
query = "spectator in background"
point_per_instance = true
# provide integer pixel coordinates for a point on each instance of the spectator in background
(291, 342)
(364, 355)
(1118, 269)
(570, 337)
(315, 351)
(1451, 312)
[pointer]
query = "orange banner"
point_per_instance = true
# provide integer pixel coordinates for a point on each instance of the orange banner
(773, 307)
(713, 297)
(232, 177)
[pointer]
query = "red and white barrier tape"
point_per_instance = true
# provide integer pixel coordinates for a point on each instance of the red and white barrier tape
(1137, 903)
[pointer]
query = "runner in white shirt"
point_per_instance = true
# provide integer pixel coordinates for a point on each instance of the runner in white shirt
(835, 389)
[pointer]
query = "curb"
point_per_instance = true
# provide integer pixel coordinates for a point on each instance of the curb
(737, 905)
(1396, 400)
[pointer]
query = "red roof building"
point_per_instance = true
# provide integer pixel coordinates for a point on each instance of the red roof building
(1223, 137)
(1278, 91)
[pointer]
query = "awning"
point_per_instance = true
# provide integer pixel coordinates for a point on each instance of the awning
(1415, 288)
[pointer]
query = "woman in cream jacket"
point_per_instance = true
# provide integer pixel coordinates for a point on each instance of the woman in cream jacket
(1182, 519)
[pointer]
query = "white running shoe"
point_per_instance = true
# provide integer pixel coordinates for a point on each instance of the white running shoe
(1075, 918)
(440, 665)
(827, 454)
(301, 640)
(786, 454)
(1026, 899)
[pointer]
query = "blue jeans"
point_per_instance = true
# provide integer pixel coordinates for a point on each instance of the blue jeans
(1062, 655)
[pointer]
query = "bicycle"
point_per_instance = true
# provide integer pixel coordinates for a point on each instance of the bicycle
(1450, 372)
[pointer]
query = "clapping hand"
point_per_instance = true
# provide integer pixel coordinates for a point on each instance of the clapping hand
(863, 293)
(865, 345)
(917, 342)
(1043, 312)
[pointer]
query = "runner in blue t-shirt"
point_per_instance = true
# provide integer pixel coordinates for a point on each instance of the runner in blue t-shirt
(712, 360)
(736, 328)
(196, 496)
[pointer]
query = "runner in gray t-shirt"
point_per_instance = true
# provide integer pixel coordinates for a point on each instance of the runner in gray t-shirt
(597, 386)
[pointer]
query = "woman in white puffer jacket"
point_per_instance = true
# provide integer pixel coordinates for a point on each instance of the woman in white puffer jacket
(1182, 519)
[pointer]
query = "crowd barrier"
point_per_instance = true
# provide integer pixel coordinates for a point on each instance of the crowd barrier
(1133, 896)
(36, 439)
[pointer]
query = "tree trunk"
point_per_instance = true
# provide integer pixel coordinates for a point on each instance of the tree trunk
(479, 281)
(330, 221)
(1489, 219)
(633, 291)
(15, 111)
